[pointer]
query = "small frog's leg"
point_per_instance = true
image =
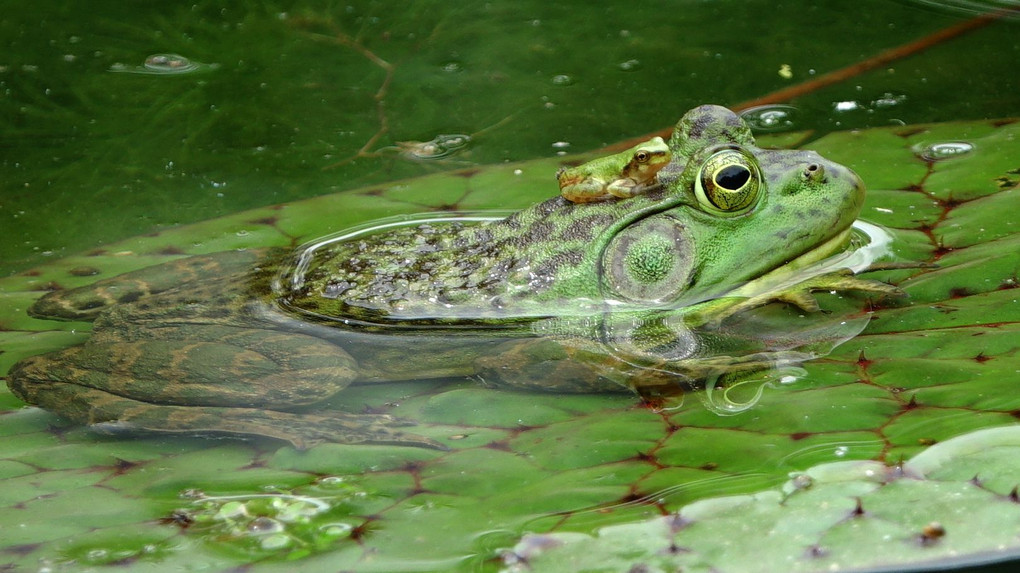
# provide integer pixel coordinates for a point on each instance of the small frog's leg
(585, 192)
(203, 378)
(624, 188)
(798, 294)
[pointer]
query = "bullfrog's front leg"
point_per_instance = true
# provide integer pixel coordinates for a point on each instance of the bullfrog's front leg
(203, 379)
(799, 294)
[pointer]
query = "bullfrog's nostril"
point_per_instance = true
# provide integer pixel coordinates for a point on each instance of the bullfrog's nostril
(814, 172)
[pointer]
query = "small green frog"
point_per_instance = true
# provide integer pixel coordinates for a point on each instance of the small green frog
(622, 175)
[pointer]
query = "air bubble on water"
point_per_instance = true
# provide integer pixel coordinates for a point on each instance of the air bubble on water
(844, 106)
(889, 100)
(630, 65)
(264, 525)
(770, 118)
(164, 64)
(943, 150)
(276, 541)
(336, 529)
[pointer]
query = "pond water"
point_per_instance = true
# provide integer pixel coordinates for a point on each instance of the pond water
(139, 119)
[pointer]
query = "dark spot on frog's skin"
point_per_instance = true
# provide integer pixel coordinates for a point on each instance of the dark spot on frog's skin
(90, 304)
(912, 403)
(584, 228)
(981, 358)
(699, 125)
(799, 435)
(913, 187)
(130, 296)
(483, 236)
(538, 232)
(1002, 122)
(1015, 414)
(550, 206)
(373, 192)
(551, 266)
(1014, 495)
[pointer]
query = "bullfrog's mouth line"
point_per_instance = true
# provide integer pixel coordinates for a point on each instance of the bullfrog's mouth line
(828, 256)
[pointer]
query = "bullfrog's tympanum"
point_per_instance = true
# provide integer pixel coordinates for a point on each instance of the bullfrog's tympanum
(560, 296)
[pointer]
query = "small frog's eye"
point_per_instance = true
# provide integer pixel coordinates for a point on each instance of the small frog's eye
(728, 183)
(642, 156)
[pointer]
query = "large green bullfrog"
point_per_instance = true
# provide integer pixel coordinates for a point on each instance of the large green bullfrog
(560, 296)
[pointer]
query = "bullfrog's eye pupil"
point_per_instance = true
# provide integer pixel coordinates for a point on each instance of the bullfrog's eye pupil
(732, 177)
(728, 182)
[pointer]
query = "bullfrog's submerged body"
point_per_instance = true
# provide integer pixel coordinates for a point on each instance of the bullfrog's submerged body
(560, 296)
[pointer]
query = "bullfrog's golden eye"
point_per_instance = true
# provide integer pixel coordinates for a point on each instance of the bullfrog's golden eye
(728, 183)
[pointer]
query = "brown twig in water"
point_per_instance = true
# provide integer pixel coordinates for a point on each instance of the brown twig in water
(380, 94)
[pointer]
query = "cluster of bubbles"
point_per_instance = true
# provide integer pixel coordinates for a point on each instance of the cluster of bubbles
(276, 523)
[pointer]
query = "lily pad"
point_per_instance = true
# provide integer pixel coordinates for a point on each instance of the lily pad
(834, 516)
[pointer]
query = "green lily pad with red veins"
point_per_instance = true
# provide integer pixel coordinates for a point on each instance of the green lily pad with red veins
(898, 449)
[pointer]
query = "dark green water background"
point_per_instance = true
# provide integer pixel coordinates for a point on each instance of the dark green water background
(90, 155)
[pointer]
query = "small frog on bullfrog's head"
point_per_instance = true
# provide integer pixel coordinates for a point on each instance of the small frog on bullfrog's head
(560, 296)
(622, 175)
